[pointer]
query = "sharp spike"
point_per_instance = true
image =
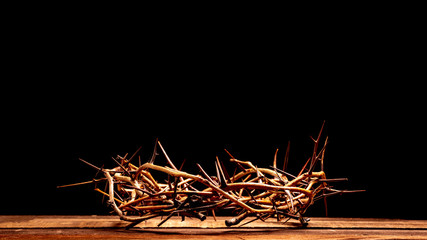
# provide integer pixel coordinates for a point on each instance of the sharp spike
(90, 164)
(229, 153)
(303, 168)
(316, 144)
(134, 154)
(205, 174)
(275, 159)
(285, 163)
(325, 202)
(227, 176)
(313, 163)
(223, 181)
(217, 173)
(81, 183)
(238, 164)
(333, 180)
(323, 155)
(122, 167)
(182, 164)
(154, 153)
(167, 157)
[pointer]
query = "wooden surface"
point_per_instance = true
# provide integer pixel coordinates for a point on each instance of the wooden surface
(110, 227)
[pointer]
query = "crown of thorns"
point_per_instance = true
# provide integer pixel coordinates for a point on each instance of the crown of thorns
(135, 195)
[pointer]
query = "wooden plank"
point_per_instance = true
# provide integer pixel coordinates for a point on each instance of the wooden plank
(110, 227)
(236, 233)
(175, 222)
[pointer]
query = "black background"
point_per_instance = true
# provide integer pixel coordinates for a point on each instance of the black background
(378, 151)
(74, 91)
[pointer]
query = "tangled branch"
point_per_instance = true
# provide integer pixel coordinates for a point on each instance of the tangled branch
(135, 195)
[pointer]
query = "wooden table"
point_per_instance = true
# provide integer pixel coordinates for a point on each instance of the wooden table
(110, 227)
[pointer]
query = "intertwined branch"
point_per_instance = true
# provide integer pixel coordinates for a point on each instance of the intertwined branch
(135, 195)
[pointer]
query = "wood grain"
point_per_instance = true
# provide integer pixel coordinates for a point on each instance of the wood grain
(110, 227)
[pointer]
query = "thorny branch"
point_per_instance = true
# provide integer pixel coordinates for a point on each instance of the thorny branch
(135, 195)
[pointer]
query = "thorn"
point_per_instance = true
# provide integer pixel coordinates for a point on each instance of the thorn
(250, 194)
(223, 180)
(225, 172)
(333, 180)
(123, 158)
(323, 155)
(238, 164)
(133, 155)
(322, 151)
(303, 168)
(90, 164)
(182, 164)
(213, 214)
(154, 153)
(217, 173)
(81, 183)
(316, 144)
(167, 157)
(285, 163)
(206, 175)
(122, 167)
(229, 153)
(275, 159)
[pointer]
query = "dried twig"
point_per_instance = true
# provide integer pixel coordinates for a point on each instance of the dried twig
(135, 195)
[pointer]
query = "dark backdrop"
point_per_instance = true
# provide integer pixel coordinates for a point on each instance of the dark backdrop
(97, 88)
(378, 150)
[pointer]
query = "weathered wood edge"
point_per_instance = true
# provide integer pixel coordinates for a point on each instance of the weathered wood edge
(67, 221)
